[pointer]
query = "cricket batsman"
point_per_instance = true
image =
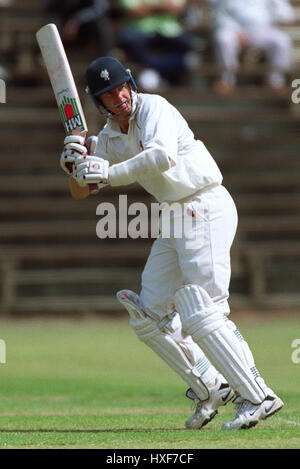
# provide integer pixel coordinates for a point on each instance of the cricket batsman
(182, 310)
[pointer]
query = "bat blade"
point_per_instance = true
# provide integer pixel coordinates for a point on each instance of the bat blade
(63, 83)
(61, 79)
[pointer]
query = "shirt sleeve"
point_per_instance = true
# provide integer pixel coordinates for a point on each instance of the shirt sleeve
(159, 126)
(101, 147)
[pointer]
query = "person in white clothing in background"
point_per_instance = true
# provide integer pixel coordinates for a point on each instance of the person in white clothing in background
(238, 23)
(182, 310)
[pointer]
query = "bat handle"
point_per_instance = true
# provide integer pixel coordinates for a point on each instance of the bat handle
(93, 188)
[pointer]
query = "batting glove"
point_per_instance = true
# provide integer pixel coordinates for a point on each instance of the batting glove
(74, 148)
(91, 170)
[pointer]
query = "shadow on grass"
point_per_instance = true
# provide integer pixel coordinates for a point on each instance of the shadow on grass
(126, 430)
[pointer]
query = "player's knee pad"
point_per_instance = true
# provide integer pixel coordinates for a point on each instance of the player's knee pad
(199, 316)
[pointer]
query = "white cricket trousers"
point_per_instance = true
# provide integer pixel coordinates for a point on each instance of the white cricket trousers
(175, 261)
(276, 44)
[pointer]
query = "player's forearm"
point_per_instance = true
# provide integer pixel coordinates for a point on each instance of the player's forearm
(95, 170)
(150, 162)
(78, 192)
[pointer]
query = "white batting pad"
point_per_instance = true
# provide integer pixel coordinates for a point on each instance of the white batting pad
(162, 343)
(201, 319)
(131, 301)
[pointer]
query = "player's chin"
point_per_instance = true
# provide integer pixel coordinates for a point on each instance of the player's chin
(123, 113)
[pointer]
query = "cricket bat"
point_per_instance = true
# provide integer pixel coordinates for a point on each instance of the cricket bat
(64, 89)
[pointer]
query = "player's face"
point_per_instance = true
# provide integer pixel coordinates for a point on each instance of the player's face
(118, 101)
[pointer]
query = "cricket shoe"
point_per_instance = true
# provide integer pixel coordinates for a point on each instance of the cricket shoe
(248, 414)
(205, 411)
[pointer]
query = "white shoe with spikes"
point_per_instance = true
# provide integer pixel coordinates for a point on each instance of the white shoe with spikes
(248, 415)
(205, 411)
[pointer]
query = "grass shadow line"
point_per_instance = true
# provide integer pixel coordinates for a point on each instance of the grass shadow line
(66, 430)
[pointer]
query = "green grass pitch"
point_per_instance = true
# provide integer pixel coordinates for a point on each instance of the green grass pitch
(91, 384)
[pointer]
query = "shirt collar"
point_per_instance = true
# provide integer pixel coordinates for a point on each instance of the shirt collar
(134, 104)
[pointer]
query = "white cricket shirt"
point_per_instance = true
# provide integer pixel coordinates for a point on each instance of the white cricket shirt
(155, 121)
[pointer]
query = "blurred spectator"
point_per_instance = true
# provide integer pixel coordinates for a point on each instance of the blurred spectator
(193, 15)
(82, 22)
(239, 23)
(154, 38)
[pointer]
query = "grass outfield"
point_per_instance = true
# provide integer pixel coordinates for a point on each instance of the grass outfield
(92, 384)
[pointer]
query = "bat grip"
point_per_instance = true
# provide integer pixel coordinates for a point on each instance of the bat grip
(93, 188)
